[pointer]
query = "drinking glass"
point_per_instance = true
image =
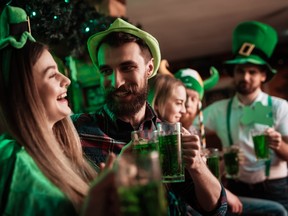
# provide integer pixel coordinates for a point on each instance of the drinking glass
(231, 160)
(144, 141)
(213, 161)
(261, 147)
(140, 189)
(170, 152)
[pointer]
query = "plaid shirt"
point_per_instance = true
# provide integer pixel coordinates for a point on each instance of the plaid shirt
(102, 133)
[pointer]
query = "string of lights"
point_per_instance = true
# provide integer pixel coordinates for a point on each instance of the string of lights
(68, 23)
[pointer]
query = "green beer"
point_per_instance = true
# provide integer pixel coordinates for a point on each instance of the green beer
(143, 200)
(231, 162)
(144, 141)
(213, 165)
(145, 148)
(261, 147)
(171, 158)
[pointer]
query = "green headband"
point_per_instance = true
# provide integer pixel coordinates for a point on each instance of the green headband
(192, 80)
(14, 31)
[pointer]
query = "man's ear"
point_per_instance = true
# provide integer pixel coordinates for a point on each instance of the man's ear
(150, 67)
(264, 76)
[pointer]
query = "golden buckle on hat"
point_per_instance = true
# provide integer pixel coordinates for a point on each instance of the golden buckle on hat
(246, 49)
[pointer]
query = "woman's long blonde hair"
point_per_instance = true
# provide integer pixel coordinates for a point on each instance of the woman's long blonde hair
(22, 114)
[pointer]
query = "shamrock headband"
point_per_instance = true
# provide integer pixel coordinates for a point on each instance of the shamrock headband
(14, 32)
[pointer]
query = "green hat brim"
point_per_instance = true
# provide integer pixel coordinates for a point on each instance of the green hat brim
(120, 25)
(252, 59)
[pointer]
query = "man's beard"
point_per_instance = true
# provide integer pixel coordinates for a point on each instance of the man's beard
(245, 89)
(123, 108)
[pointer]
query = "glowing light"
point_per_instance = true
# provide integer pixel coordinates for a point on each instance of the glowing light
(87, 29)
(55, 17)
(285, 32)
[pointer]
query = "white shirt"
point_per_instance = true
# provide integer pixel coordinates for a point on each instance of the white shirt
(252, 171)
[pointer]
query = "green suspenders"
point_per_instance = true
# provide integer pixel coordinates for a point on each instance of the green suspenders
(228, 121)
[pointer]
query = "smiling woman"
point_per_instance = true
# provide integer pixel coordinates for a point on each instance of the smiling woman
(42, 168)
(52, 87)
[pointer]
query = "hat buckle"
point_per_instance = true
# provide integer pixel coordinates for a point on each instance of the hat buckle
(246, 49)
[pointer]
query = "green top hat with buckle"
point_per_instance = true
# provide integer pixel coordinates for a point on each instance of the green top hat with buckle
(254, 43)
(119, 25)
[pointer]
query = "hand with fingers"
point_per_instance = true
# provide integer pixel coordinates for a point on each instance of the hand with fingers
(109, 162)
(274, 138)
(234, 203)
(191, 150)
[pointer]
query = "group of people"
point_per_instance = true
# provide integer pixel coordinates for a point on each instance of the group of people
(253, 192)
(127, 57)
(52, 163)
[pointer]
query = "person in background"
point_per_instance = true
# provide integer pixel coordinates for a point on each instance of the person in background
(232, 119)
(167, 97)
(42, 168)
(127, 57)
(195, 88)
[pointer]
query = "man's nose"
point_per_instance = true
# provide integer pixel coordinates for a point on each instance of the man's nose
(117, 79)
(188, 102)
(246, 75)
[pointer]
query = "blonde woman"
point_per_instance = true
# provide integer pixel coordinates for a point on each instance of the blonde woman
(42, 168)
(167, 96)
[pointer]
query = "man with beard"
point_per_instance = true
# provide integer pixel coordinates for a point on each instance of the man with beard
(127, 57)
(195, 88)
(233, 119)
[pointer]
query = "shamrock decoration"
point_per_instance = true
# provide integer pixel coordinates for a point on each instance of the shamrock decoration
(258, 114)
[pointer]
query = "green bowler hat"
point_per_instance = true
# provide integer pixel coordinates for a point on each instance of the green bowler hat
(119, 25)
(254, 43)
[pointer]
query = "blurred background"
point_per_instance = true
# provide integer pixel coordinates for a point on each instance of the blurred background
(191, 33)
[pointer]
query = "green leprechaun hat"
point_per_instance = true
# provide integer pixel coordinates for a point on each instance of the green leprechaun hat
(15, 27)
(254, 43)
(119, 25)
(14, 33)
(192, 80)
